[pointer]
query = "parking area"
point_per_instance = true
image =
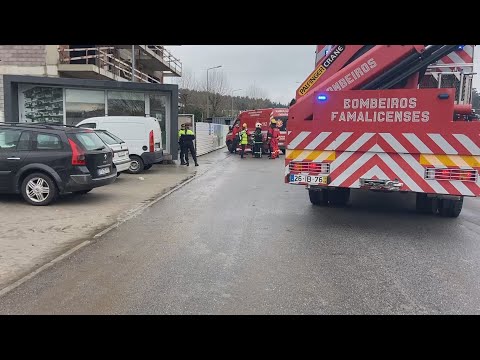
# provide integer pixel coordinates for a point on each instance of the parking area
(31, 236)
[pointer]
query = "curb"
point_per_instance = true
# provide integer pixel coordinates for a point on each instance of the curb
(137, 212)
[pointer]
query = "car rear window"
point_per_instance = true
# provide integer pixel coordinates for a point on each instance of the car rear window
(114, 136)
(88, 140)
(109, 138)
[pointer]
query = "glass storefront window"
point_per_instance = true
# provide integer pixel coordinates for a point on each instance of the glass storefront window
(83, 104)
(158, 110)
(41, 104)
(124, 103)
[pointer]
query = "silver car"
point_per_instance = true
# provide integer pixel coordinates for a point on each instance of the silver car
(121, 157)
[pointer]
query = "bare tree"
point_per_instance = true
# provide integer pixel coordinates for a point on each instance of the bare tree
(186, 83)
(217, 89)
(257, 96)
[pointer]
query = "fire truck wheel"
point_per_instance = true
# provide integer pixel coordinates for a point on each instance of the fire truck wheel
(284, 151)
(425, 205)
(339, 196)
(318, 197)
(451, 208)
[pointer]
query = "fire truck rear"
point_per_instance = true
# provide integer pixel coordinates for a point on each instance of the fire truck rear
(361, 121)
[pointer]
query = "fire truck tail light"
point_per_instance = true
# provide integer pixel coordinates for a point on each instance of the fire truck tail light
(310, 167)
(470, 175)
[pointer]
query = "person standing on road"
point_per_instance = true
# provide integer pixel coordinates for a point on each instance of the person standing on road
(187, 136)
(272, 135)
(181, 144)
(257, 141)
(243, 139)
(235, 131)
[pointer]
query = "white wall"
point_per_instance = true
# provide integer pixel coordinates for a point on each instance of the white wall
(209, 137)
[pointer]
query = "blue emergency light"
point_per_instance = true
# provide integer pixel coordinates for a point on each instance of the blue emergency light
(460, 47)
(322, 97)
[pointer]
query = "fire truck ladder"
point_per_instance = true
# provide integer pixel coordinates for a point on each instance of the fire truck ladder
(409, 66)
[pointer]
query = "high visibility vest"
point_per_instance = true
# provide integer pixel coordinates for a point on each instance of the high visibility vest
(244, 137)
(186, 135)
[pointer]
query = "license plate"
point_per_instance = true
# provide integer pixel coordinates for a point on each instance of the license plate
(104, 171)
(309, 179)
(122, 154)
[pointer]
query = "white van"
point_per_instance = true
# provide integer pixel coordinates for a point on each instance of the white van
(142, 135)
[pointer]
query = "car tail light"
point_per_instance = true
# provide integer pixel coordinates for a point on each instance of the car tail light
(78, 156)
(451, 174)
(151, 141)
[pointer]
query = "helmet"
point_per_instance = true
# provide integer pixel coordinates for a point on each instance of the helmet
(273, 121)
(183, 125)
(244, 125)
(258, 125)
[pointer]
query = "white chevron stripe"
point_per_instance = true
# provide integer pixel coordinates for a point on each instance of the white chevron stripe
(321, 137)
(340, 160)
(360, 141)
(456, 58)
(443, 144)
(339, 140)
(393, 143)
(420, 170)
(386, 159)
(287, 170)
(469, 50)
(461, 187)
(468, 144)
(419, 145)
(300, 137)
(399, 171)
(352, 168)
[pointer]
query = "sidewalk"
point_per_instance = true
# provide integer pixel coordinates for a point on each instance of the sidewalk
(30, 236)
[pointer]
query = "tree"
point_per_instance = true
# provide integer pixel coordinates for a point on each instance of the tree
(217, 89)
(257, 97)
(186, 84)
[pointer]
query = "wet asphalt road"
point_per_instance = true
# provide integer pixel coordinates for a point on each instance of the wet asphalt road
(237, 240)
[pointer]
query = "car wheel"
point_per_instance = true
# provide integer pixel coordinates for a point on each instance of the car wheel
(82, 192)
(230, 147)
(39, 189)
(146, 167)
(118, 174)
(136, 165)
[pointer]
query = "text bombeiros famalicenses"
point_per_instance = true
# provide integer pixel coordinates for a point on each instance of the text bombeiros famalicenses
(370, 110)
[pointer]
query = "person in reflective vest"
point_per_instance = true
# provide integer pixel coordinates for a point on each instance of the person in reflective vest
(243, 139)
(181, 145)
(272, 137)
(257, 141)
(186, 138)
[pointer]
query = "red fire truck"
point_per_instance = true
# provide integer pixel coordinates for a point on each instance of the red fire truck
(361, 121)
(263, 116)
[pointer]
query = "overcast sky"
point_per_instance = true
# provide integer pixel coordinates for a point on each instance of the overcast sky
(275, 69)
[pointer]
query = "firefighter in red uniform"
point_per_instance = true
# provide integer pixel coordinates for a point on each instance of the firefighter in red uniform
(272, 137)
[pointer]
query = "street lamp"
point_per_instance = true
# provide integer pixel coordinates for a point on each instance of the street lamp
(232, 98)
(215, 67)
